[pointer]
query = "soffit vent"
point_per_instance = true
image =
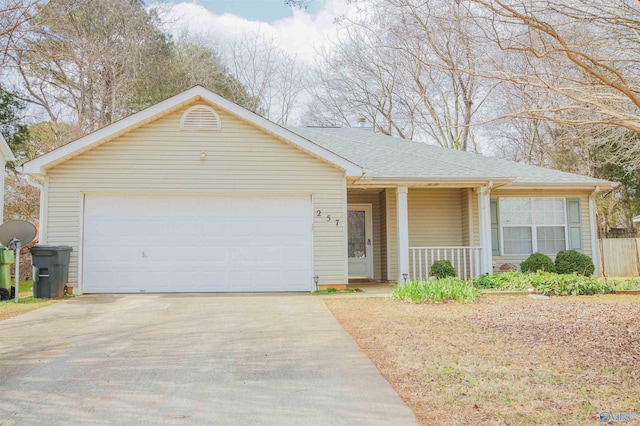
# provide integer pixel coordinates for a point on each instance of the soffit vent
(200, 117)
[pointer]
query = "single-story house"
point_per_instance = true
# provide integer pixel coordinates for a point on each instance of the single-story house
(197, 194)
(5, 155)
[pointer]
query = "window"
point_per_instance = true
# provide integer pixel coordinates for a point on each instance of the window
(533, 225)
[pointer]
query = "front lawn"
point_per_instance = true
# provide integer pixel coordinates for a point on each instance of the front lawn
(26, 302)
(504, 359)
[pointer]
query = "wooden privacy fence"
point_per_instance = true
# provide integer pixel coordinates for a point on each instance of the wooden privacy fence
(620, 257)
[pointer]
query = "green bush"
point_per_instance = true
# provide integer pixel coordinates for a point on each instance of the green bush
(507, 281)
(440, 290)
(633, 284)
(573, 262)
(547, 283)
(570, 285)
(442, 269)
(538, 262)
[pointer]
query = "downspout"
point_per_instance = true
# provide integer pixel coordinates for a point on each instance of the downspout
(593, 228)
(31, 181)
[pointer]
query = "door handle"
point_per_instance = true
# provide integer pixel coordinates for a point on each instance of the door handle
(369, 241)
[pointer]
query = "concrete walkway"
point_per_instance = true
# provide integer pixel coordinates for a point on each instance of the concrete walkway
(189, 359)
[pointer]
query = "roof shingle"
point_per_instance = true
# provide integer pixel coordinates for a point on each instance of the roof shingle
(388, 157)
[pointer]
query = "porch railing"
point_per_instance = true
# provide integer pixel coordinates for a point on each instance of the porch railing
(465, 260)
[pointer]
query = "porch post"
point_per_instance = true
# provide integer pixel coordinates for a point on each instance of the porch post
(402, 211)
(484, 220)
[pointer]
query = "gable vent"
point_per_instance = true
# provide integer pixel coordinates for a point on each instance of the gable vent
(200, 117)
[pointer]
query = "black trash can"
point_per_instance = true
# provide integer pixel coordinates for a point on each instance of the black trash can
(51, 270)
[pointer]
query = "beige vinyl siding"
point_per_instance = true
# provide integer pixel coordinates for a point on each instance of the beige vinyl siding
(464, 205)
(584, 213)
(435, 220)
(241, 159)
(370, 197)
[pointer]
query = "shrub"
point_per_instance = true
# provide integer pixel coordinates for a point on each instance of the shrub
(538, 262)
(547, 283)
(573, 262)
(633, 284)
(508, 281)
(440, 290)
(443, 269)
(570, 285)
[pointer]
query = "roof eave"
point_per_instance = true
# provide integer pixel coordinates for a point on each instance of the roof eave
(6, 150)
(426, 181)
(599, 186)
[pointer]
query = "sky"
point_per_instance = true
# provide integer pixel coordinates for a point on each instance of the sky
(253, 10)
(299, 32)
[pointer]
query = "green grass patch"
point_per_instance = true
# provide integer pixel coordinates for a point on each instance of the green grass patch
(442, 290)
(26, 302)
(547, 283)
(26, 286)
(333, 290)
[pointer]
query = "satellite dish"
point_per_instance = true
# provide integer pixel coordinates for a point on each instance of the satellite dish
(17, 230)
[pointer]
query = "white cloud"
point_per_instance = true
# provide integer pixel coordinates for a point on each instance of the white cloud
(299, 34)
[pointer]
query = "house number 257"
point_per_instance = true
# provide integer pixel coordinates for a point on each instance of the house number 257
(319, 214)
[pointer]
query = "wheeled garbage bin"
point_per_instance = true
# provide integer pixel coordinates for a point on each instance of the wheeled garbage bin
(7, 258)
(51, 270)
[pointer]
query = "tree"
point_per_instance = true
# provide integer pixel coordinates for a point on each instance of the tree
(97, 61)
(584, 51)
(188, 62)
(15, 17)
(409, 68)
(272, 78)
(21, 200)
(15, 133)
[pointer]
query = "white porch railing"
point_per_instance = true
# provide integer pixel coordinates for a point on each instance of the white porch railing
(465, 260)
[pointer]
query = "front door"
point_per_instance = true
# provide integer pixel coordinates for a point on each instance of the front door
(360, 246)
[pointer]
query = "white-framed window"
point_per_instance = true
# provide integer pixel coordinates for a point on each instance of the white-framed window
(531, 225)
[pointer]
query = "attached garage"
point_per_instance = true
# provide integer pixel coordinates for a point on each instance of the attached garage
(196, 194)
(143, 243)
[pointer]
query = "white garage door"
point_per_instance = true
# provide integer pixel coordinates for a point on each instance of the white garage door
(196, 244)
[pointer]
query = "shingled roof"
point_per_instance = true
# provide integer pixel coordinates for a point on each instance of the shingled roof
(384, 156)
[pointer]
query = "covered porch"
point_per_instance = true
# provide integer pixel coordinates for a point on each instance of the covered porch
(396, 233)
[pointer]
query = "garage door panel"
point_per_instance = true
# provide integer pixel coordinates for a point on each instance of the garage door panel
(177, 244)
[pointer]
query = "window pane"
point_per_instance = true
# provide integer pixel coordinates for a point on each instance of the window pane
(515, 211)
(517, 240)
(551, 239)
(549, 211)
(356, 232)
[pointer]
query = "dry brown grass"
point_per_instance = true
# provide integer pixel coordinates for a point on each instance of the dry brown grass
(505, 359)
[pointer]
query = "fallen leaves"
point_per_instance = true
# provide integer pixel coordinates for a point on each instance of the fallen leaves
(505, 359)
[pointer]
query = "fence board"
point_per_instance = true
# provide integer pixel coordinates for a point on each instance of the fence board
(620, 257)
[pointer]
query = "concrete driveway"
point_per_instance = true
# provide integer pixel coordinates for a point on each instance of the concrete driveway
(189, 359)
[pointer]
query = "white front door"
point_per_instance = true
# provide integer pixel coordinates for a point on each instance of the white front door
(360, 244)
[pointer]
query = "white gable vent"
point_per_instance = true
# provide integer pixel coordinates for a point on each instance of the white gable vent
(200, 117)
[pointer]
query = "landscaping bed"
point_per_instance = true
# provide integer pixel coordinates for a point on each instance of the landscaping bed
(504, 360)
